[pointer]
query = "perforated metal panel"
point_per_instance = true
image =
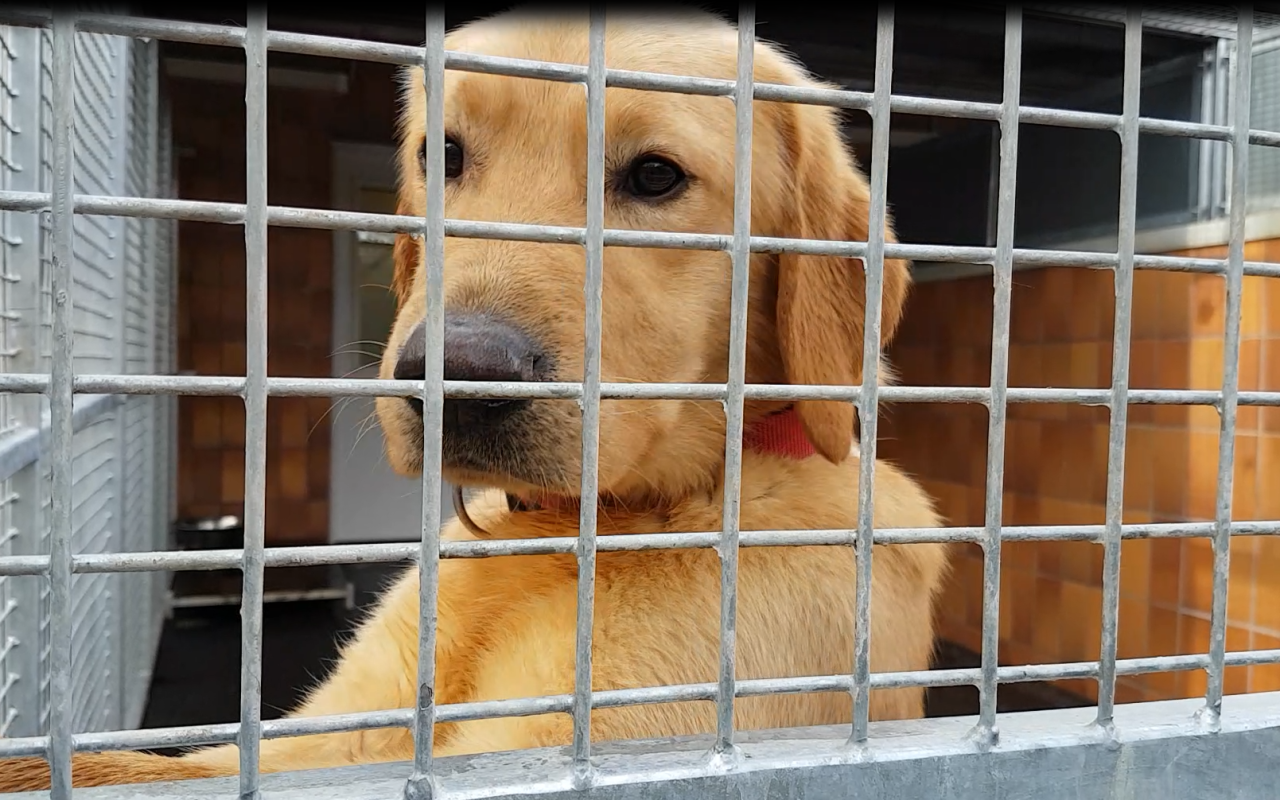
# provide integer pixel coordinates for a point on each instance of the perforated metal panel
(1264, 162)
(122, 453)
(8, 595)
(142, 417)
(96, 272)
(1194, 19)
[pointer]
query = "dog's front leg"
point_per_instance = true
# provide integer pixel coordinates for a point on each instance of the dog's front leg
(377, 670)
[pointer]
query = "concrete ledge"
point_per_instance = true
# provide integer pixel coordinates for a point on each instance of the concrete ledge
(1155, 750)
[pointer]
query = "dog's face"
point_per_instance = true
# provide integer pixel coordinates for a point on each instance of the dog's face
(516, 151)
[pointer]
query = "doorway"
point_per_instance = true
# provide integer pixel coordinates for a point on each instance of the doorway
(368, 502)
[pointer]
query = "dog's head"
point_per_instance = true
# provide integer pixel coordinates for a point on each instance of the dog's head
(516, 151)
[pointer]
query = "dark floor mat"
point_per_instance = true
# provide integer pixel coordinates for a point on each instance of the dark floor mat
(196, 680)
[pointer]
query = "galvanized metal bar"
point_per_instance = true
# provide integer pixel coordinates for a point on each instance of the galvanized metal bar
(1119, 416)
(421, 784)
(324, 219)
(868, 396)
(313, 555)
(358, 387)
(255, 400)
(200, 735)
(1006, 197)
(1241, 95)
(1160, 753)
(590, 403)
(735, 387)
(60, 407)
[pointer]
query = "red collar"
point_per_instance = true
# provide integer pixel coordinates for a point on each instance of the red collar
(780, 434)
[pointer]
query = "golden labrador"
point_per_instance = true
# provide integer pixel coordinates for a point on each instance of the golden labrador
(516, 152)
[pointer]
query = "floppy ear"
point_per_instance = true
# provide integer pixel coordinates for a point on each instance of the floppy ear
(822, 299)
(404, 259)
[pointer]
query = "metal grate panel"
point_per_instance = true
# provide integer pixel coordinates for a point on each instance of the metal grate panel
(96, 273)
(1264, 162)
(99, 143)
(115, 501)
(9, 597)
(1193, 19)
(1173, 750)
(142, 424)
(94, 522)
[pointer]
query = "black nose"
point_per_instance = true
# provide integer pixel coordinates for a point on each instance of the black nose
(477, 347)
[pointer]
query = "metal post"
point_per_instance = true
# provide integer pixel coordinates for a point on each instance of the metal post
(255, 399)
(1120, 365)
(1241, 90)
(421, 784)
(998, 407)
(868, 396)
(590, 403)
(733, 404)
(60, 407)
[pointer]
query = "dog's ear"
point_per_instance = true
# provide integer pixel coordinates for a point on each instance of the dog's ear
(404, 259)
(822, 299)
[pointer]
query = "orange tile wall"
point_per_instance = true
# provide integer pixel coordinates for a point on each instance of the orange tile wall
(209, 134)
(1056, 455)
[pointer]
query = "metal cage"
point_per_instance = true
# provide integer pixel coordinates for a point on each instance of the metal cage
(1218, 747)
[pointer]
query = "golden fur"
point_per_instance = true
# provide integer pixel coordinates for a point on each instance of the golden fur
(506, 625)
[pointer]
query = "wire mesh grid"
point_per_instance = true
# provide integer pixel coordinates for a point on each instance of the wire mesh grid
(64, 380)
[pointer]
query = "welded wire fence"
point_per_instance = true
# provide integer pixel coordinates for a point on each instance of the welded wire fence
(973, 758)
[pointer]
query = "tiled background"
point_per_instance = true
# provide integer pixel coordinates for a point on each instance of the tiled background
(209, 139)
(1055, 464)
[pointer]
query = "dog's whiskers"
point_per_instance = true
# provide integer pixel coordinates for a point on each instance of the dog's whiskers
(370, 422)
(382, 347)
(340, 403)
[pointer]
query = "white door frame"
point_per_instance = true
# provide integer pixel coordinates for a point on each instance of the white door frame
(385, 517)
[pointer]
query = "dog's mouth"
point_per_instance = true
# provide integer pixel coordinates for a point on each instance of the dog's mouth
(485, 440)
(507, 443)
(509, 455)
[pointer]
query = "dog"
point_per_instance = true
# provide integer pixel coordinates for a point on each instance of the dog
(516, 152)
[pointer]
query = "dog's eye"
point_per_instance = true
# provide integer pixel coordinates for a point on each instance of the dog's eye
(454, 159)
(653, 178)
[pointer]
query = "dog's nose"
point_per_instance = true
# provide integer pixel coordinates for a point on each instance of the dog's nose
(477, 347)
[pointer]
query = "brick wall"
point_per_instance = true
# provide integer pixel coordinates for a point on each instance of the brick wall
(1055, 464)
(209, 138)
